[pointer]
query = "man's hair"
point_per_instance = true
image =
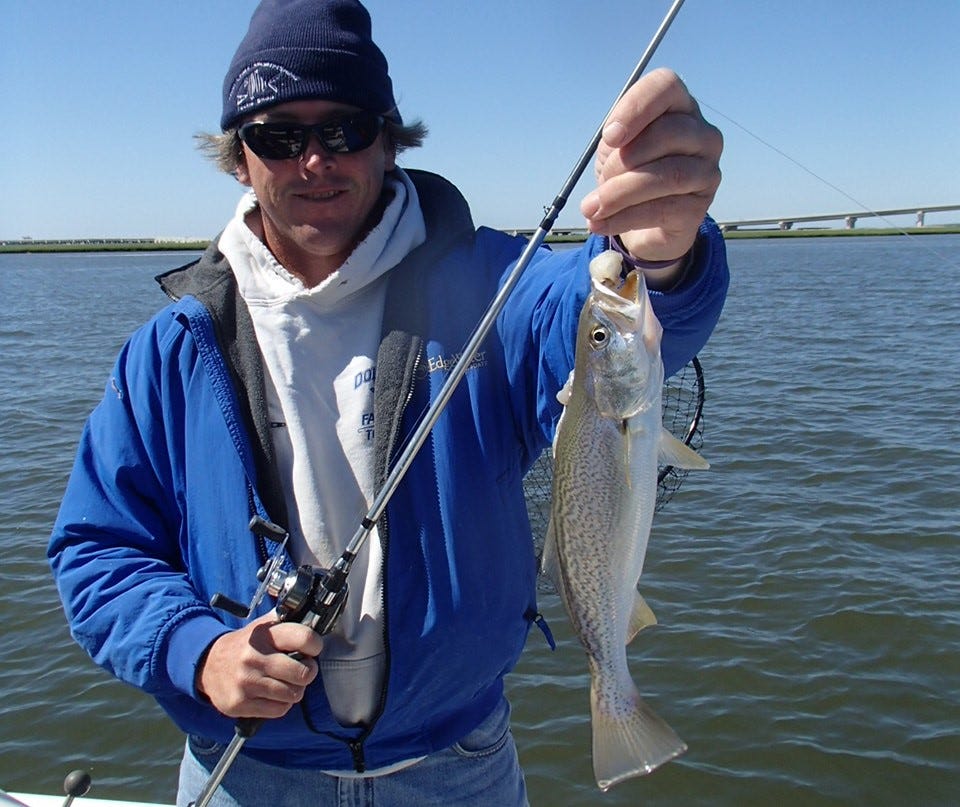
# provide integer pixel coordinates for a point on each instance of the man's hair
(226, 149)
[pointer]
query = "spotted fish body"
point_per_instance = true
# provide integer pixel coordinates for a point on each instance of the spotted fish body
(606, 451)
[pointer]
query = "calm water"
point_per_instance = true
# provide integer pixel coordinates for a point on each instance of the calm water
(808, 586)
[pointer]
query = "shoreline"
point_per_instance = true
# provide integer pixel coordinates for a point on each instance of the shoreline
(149, 245)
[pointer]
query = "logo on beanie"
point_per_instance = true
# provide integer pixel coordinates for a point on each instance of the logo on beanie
(261, 84)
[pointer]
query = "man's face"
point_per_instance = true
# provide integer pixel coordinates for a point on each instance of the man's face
(316, 208)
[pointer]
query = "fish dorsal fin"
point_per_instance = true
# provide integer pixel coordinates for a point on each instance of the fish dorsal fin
(641, 617)
(678, 454)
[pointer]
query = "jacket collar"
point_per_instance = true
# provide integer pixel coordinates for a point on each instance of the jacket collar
(445, 213)
(210, 279)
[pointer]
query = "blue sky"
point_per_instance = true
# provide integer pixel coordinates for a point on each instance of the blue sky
(102, 99)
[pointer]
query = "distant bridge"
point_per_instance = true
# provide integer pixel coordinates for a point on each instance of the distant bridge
(782, 222)
(573, 233)
(849, 219)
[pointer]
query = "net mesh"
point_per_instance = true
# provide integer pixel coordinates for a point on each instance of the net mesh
(683, 396)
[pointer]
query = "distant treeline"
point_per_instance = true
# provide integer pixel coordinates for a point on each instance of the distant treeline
(102, 245)
(152, 245)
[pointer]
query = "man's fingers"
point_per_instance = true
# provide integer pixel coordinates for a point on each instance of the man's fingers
(261, 669)
(287, 637)
(668, 176)
(673, 134)
(669, 225)
(260, 685)
(653, 95)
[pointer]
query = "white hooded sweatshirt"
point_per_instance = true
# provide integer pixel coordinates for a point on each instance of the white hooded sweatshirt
(319, 348)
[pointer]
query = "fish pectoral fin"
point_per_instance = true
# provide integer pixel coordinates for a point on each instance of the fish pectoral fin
(641, 617)
(627, 446)
(563, 396)
(679, 454)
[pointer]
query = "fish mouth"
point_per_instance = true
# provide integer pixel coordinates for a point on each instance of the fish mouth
(622, 306)
(628, 308)
(622, 301)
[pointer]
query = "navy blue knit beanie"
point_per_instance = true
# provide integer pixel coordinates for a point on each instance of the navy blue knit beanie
(304, 49)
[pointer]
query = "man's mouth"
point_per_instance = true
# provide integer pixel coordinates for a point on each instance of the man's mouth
(319, 196)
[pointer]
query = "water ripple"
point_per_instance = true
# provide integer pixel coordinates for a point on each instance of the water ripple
(806, 585)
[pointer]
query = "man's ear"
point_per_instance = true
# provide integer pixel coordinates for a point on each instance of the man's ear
(242, 174)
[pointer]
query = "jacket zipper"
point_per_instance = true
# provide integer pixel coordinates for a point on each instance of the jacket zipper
(383, 531)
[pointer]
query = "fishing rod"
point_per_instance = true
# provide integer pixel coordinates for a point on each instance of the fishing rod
(430, 417)
(317, 597)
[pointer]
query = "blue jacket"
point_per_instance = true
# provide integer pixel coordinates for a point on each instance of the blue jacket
(176, 459)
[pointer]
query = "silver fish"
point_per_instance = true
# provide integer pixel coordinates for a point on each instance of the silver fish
(606, 451)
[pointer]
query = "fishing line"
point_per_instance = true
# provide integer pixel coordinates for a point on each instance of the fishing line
(915, 240)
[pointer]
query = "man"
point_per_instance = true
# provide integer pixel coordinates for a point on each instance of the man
(296, 357)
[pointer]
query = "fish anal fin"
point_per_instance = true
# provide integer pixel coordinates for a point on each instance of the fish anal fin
(677, 453)
(641, 617)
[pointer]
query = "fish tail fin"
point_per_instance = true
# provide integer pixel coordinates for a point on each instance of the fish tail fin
(629, 738)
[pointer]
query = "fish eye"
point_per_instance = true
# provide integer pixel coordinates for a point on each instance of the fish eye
(598, 336)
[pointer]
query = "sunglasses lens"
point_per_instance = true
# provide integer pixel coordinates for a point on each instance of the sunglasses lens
(274, 141)
(284, 141)
(352, 133)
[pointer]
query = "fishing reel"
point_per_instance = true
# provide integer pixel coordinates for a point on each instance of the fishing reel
(308, 595)
(312, 596)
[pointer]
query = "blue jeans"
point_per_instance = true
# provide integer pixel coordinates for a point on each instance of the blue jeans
(480, 770)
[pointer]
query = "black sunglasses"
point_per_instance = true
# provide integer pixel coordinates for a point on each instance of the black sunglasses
(279, 140)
